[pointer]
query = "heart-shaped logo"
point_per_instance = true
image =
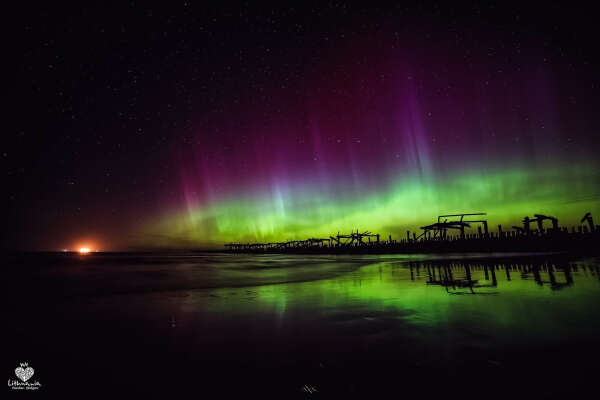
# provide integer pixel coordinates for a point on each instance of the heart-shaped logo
(24, 373)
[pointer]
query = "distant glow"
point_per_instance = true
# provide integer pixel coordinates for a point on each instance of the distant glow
(84, 250)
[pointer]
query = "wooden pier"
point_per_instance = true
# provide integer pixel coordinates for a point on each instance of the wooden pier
(437, 238)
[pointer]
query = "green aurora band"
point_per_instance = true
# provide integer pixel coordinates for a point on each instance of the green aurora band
(506, 195)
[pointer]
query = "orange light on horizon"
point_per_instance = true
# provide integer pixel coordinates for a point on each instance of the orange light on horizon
(84, 250)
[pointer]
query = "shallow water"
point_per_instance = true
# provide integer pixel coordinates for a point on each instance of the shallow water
(287, 326)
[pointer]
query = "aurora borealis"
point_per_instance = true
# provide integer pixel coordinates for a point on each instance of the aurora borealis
(410, 203)
(387, 147)
(225, 199)
(189, 128)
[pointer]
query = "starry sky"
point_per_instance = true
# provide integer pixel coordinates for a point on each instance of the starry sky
(190, 125)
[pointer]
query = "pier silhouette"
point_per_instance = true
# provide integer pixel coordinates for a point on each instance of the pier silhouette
(439, 238)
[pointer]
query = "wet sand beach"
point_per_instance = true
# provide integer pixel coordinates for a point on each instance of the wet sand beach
(285, 326)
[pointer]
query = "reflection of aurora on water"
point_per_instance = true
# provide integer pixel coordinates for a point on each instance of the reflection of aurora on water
(354, 314)
(396, 285)
(456, 277)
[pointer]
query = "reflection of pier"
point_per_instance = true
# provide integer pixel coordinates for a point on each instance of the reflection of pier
(439, 237)
(457, 276)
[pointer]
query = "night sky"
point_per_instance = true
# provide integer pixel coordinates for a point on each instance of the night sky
(188, 125)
